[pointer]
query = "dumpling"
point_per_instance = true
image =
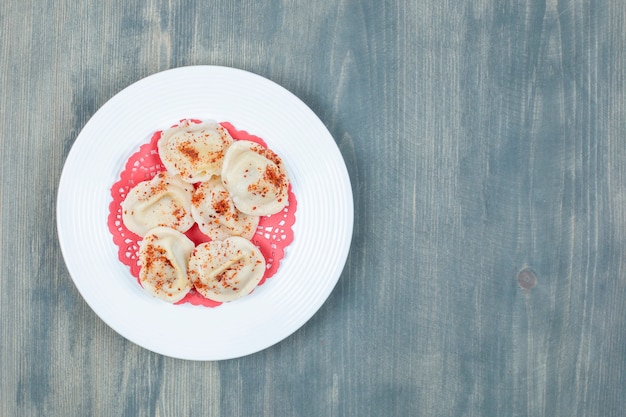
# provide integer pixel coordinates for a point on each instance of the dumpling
(226, 270)
(195, 151)
(164, 258)
(217, 217)
(165, 200)
(256, 178)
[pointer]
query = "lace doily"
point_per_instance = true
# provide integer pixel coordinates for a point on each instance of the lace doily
(272, 236)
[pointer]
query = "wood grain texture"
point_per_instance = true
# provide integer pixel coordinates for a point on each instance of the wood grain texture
(481, 138)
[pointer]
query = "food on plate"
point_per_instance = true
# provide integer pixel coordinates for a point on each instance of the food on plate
(164, 256)
(217, 217)
(229, 187)
(256, 178)
(226, 270)
(195, 151)
(165, 200)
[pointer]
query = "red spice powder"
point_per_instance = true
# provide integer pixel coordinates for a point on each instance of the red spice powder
(187, 149)
(221, 206)
(273, 176)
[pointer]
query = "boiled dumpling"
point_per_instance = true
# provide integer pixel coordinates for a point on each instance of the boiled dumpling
(256, 178)
(226, 270)
(217, 217)
(164, 258)
(195, 151)
(165, 200)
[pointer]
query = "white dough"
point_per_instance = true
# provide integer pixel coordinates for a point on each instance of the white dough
(164, 259)
(195, 151)
(165, 200)
(226, 270)
(217, 217)
(256, 178)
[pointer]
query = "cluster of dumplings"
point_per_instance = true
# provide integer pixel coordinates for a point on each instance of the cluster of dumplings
(220, 184)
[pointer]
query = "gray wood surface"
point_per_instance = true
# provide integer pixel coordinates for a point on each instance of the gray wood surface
(481, 138)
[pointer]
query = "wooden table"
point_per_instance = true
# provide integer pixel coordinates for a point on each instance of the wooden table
(485, 143)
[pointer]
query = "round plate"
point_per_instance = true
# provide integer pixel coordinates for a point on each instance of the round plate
(312, 263)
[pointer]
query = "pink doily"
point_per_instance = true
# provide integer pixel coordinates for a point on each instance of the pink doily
(273, 234)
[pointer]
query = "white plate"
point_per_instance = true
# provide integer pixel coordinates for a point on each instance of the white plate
(312, 263)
